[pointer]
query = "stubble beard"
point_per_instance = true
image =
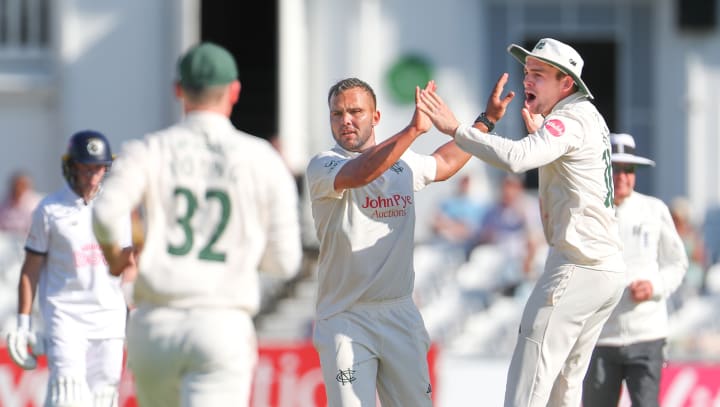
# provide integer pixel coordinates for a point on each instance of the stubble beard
(354, 145)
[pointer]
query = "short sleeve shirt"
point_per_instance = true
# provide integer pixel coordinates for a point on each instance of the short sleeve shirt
(77, 294)
(366, 234)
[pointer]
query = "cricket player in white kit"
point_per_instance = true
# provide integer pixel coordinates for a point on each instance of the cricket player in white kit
(219, 204)
(584, 274)
(81, 304)
(632, 342)
(368, 332)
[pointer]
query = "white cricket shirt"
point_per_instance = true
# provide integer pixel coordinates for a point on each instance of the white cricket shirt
(77, 294)
(219, 204)
(366, 234)
(572, 151)
(653, 251)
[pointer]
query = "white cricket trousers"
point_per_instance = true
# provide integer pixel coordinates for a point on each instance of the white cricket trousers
(201, 357)
(560, 325)
(379, 346)
(79, 367)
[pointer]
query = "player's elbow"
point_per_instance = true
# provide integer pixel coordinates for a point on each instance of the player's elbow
(517, 167)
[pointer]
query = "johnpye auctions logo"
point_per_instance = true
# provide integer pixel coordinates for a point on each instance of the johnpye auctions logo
(392, 206)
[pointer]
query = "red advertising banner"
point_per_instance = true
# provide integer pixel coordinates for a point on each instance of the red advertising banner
(287, 375)
(690, 385)
(21, 388)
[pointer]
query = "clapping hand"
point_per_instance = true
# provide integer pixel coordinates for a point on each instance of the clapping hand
(421, 120)
(496, 107)
(435, 108)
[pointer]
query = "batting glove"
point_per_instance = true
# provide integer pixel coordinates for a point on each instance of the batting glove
(23, 345)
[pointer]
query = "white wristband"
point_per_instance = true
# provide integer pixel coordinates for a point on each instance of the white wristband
(23, 322)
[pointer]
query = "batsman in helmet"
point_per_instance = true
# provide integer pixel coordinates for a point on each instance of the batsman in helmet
(82, 306)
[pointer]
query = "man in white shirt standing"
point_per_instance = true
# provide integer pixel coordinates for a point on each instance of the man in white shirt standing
(632, 342)
(568, 141)
(81, 304)
(219, 205)
(369, 334)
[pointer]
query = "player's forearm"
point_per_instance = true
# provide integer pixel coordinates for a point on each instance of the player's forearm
(283, 252)
(29, 277)
(112, 253)
(450, 159)
(128, 261)
(511, 155)
(374, 161)
(26, 294)
(478, 144)
(672, 259)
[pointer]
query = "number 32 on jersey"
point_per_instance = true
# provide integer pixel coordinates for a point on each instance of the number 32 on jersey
(207, 252)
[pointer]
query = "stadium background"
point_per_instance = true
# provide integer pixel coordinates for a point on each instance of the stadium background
(653, 65)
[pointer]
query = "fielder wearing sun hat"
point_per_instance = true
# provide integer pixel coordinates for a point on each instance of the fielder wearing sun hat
(623, 149)
(557, 54)
(206, 64)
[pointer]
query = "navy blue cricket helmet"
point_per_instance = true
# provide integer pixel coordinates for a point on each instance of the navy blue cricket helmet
(86, 147)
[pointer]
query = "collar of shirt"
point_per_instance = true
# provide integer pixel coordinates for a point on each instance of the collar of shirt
(71, 196)
(350, 154)
(207, 117)
(575, 97)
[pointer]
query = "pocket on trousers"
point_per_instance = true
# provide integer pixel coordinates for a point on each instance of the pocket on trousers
(559, 284)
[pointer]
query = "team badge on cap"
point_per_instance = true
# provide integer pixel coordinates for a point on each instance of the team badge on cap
(95, 146)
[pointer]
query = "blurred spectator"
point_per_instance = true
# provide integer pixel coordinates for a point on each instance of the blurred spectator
(711, 235)
(458, 217)
(694, 246)
(513, 225)
(16, 209)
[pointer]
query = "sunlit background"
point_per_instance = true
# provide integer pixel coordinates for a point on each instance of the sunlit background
(653, 65)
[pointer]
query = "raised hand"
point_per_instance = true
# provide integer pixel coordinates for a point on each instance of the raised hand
(421, 120)
(435, 108)
(496, 107)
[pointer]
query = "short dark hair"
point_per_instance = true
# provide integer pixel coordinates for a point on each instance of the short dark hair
(350, 83)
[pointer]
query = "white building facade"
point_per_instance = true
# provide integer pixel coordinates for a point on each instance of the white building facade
(67, 65)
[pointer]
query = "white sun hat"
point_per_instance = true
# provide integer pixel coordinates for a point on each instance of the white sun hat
(623, 149)
(557, 54)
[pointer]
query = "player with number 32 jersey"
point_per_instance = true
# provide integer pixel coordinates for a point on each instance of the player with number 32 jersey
(219, 206)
